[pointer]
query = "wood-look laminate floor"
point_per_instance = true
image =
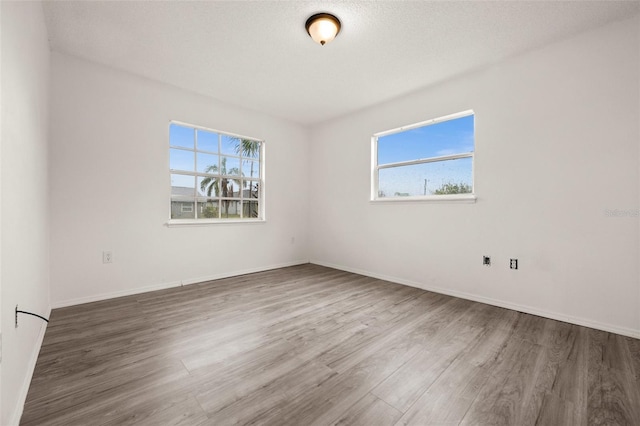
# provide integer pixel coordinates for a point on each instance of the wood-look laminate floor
(309, 345)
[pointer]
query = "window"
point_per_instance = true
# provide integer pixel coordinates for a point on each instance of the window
(215, 176)
(425, 161)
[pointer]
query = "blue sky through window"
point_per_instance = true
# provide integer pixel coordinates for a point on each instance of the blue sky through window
(449, 137)
(182, 136)
(201, 151)
(207, 141)
(444, 138)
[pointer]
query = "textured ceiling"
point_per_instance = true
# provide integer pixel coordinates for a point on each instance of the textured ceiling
(257, 54)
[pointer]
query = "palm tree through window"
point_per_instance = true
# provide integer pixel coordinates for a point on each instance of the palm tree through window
(219, 175)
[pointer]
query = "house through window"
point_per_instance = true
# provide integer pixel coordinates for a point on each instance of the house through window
(215, 176)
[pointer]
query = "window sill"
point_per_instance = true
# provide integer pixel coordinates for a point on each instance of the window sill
(453, 198)
(194, 222)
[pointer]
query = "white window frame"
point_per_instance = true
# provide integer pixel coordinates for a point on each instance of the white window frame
(261, 179)
(375, 168)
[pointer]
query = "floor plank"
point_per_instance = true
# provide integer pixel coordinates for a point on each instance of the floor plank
(317, 346)
(369, 410)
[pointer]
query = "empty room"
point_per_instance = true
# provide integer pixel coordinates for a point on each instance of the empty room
(320, 213)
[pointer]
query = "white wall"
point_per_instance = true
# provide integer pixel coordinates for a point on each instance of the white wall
(1, 137)
(110, 188)
(24, 217)
(556, 145)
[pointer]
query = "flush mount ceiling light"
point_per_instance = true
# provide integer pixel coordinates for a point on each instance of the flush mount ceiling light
(323, 27)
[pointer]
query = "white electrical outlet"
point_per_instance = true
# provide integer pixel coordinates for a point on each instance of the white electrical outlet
(107, 257)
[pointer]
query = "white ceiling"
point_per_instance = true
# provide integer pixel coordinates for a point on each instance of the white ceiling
(257, 54)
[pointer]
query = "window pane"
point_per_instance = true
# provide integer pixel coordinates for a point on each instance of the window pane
(181, 136)
(249, 148)
(180, 159)
(211, 173)
(230, 209)
(441, 177)
(182, 186)
(250, 189)
(250, 209)
(250, 168)
(207, 163)
(230, 166)
(207, 141)
(230, 145)
(182, 194)
(208, 186)
(234, 188)
(182, 209)
(208, 209)
(445, 138)
(223, 187)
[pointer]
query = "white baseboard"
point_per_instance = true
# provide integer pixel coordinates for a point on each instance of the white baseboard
(624, 331)
(31, 366)
(162, 286)
(113, 294)
(243, 272)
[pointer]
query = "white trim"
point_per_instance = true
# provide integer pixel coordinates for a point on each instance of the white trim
(154, 287)
(31, 366)
(452, 198)
(624, 331)
(427, 160)
(375, 183)
(203, 174)
(204, 222)
(208, 129)
(114, 294)
(375, 167)
(425, 123)
(263, 179)
(260, 180)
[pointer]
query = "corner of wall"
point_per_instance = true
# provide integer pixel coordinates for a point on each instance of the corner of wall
(24, 251)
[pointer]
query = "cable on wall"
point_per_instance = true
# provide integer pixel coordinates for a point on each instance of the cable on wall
(28, 313)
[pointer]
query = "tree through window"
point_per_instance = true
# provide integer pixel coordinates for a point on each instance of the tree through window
(214, 175)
